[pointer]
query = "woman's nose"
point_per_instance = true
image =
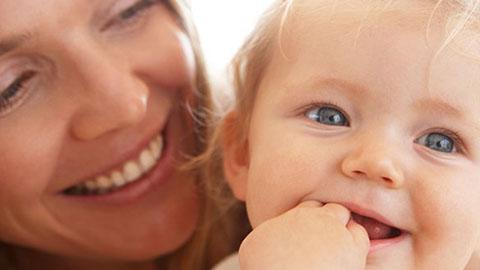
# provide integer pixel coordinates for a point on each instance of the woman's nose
(375, 161)
(112, 97)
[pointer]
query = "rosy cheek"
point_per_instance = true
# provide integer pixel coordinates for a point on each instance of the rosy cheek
(24, 173)
(30, 148)
(185, 60)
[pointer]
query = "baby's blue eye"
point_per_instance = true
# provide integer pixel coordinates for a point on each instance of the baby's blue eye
(327, 116)
(438, 142)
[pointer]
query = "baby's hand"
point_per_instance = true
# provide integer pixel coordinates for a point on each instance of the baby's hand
(309, 236)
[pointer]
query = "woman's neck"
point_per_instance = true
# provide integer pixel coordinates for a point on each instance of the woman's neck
(29, 259)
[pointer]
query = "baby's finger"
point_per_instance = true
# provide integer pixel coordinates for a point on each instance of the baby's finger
(310, 203)
(338, 211)
(360, 236)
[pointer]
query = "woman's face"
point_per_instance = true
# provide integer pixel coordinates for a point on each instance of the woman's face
(92, 126)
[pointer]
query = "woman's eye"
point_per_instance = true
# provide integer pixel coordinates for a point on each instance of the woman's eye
(136, 9)
(14, 91)
(438, 142)
(130, 13)
(327, 116)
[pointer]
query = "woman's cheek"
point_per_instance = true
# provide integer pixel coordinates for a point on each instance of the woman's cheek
(28, 156)
(185, 59)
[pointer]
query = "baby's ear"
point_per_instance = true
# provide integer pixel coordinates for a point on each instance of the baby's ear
(235, 155)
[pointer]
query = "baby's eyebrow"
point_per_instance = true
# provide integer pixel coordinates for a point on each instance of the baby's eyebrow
(437, 105)
(340, 85)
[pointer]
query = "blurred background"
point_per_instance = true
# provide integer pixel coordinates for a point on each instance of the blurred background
(222, 26)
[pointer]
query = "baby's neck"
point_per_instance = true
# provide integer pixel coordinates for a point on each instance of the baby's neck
(474, 262)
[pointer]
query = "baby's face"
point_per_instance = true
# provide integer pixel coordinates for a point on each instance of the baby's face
(363, 116)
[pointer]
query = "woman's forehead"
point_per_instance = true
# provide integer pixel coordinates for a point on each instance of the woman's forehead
(17, 16)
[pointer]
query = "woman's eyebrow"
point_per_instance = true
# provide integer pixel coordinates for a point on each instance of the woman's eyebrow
(12, 42)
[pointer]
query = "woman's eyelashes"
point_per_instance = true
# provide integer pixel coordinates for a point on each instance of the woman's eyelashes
(12, 94)
(327, 115)
(136, 9)
(130, 14)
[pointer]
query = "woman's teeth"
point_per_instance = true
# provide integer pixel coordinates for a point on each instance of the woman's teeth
(131, 171)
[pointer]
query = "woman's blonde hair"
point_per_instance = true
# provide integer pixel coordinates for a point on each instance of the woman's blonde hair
(221, 226)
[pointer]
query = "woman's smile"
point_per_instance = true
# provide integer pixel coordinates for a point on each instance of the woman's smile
(127, 173)
(150, 165)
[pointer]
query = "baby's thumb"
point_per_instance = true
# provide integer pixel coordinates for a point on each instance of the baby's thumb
(360, 236)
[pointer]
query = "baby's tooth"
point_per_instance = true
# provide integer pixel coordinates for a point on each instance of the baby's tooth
(131, 171)
(146, 160)
(117, 179)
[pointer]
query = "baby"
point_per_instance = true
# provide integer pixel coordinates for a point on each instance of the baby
(354, 140)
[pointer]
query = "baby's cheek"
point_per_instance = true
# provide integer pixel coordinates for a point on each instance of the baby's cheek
(447, 214)
(278, 180)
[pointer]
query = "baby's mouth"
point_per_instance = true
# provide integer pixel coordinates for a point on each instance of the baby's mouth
(376, 230)
(128, 172)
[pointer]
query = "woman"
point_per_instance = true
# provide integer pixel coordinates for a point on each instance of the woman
(93, 125)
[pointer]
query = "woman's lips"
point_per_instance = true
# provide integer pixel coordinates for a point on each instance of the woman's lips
(161, 172)
(128, 149)
(127, 173)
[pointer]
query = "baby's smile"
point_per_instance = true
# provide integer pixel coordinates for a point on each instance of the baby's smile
(380, 234)
(376, 230)
(381, 231)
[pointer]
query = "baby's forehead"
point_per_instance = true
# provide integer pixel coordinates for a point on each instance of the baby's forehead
(398, 44)
(331, 17)
(323, 30)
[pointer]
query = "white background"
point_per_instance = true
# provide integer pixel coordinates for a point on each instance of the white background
(222, 26)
